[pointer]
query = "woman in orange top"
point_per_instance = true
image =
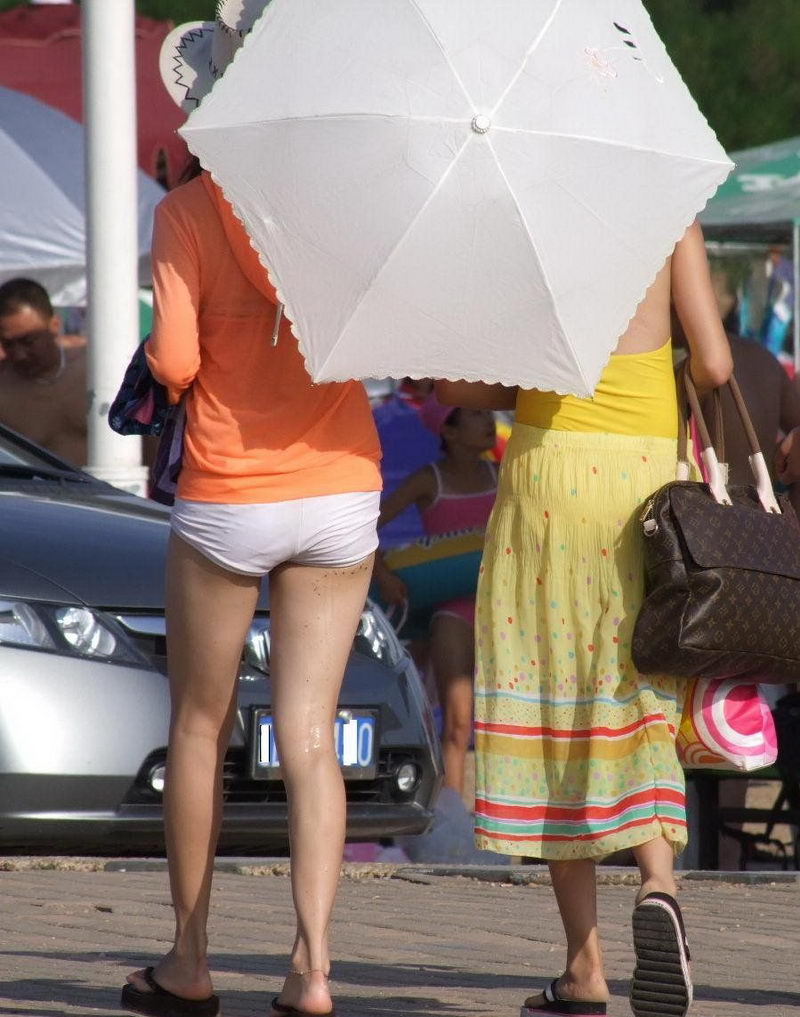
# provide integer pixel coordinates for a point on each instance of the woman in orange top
(280, 476)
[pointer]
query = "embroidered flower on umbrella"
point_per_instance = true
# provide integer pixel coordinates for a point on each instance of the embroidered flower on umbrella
(599, 64)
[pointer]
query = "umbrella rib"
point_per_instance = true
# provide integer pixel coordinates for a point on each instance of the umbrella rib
(535, 249)
(542, 32)
(604, 141)
(393, 251)
(309, 118)
(447, 59)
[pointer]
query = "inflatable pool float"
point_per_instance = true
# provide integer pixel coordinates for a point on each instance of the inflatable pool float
(436, 569)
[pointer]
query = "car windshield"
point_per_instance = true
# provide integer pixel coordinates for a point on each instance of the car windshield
(17, 454)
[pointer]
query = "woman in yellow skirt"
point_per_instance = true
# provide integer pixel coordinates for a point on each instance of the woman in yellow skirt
(575, 752)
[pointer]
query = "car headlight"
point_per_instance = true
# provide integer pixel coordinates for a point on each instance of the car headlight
(72, 631)
(20, 625)
(376, 638)
(85, 633)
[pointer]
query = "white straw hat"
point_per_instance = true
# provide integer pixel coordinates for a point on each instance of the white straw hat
(194, 55)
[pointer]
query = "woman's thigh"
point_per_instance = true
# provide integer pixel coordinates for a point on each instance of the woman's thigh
(209, 611)
(452, 649)
(314, 613)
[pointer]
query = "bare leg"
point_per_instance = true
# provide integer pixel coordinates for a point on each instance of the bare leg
(656, 866)
(453, 659)
(575, 888)
(208, 613)
(314, 617)
(661, 977)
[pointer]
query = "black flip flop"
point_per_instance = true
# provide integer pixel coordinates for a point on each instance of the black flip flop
(161, 1003)
(662, 983)
(290, 1011)
(554, 1005)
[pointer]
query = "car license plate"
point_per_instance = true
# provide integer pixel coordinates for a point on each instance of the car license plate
(354, 733)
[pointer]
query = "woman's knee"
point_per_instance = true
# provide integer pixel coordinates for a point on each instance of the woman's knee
(303, 756)
(200, 720)
(457, 727)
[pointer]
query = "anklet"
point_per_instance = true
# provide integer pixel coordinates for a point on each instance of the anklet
(309, 971)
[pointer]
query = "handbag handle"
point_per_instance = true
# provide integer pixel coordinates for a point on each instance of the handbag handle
(758, 465)
(684, 469)
(690, 408)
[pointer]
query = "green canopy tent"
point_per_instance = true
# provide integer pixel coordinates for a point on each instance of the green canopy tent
(760, 204)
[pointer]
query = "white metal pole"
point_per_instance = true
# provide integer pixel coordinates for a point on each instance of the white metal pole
(109, 89)
(796, 263)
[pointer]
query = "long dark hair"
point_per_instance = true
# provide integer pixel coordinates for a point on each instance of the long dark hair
(191, 170)
(451, 421)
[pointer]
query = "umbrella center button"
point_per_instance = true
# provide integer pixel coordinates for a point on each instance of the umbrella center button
(481, 123)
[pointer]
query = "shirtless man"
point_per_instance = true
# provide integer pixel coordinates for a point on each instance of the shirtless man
(42, 384)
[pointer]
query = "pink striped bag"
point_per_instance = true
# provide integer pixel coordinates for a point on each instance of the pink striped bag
(726, 725)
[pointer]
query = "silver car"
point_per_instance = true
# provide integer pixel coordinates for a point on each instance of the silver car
(85, 707)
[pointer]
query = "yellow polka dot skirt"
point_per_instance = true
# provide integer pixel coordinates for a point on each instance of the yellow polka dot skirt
(575, 751)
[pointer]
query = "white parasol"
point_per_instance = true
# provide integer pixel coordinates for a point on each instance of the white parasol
(479, 189)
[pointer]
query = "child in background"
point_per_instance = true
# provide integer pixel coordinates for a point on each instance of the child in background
(456, 493)
(407, 445)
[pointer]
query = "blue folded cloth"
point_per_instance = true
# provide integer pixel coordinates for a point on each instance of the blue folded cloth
(142, 407)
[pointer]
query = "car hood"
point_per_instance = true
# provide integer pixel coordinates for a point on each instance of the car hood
(103, 548)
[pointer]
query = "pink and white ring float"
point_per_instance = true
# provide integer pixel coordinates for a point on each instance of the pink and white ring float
(726, 725)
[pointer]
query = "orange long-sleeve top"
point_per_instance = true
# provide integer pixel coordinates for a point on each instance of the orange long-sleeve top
(257, 428)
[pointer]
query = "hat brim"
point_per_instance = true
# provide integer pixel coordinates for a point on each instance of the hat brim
(240, 15)
(185, 63)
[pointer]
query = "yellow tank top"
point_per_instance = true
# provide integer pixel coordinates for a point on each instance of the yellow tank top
(635, 395)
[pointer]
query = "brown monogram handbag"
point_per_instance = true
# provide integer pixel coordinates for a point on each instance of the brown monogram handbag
(722, 570)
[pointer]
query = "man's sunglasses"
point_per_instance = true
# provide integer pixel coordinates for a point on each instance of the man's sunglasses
(27, 340)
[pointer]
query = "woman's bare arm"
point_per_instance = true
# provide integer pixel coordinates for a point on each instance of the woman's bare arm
(696, 305)
(476, 395)
(417, 489)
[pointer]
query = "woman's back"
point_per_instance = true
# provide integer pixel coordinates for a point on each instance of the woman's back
(635, 395)
(257, 428)
(636, 392)
(649, 328)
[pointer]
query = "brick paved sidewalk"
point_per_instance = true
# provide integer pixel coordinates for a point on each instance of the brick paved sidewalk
(416, 945)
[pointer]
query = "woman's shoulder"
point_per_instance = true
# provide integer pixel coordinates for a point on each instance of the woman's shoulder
(423, 481)
(188, 212)
(190, 199)
(428, 474)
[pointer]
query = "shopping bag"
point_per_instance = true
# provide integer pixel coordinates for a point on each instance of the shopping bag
(726, 725)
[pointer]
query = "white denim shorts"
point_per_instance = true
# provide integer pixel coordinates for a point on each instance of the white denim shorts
(330, 531)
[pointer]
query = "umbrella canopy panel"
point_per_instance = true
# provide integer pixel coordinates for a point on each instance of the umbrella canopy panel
(40, 54)
(42, 201)
(480, 189)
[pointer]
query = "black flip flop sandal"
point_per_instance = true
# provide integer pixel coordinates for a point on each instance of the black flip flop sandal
(662, 983)
(554, 1005)
(290, 1011)
(159, 1002)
